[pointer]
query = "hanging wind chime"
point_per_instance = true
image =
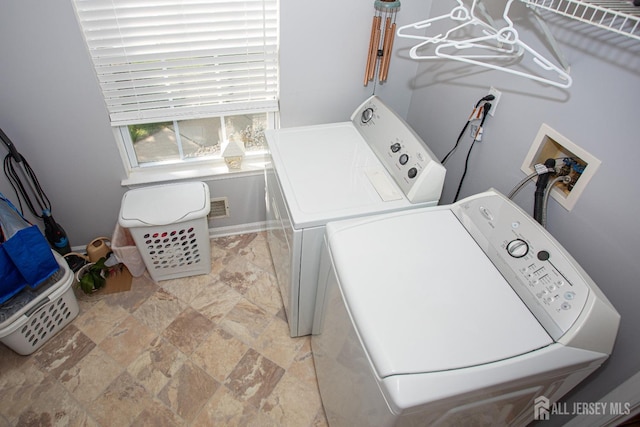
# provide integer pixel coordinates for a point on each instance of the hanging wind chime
(382, 34)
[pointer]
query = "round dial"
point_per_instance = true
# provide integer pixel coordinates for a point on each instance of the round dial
(367, 115)
(517, 248)
(404, 159)
(395, 147)
(412, 173)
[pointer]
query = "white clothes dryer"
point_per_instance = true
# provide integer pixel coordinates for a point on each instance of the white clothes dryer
(373, 164)
(467, 314)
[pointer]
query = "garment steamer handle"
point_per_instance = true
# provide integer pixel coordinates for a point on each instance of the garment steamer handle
(12, 148)
(19, 160)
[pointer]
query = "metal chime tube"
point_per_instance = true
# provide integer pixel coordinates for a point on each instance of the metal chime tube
(381, 39)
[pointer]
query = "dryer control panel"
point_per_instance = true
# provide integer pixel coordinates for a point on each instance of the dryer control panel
(540, 271)
(402, 152)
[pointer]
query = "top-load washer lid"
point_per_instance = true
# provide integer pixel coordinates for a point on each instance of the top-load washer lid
(327, 173)
(424, 297)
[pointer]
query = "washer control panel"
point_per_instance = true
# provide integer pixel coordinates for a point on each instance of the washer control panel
(402, 152)
(539, 270)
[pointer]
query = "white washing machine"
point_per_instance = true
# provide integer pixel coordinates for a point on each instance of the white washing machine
(468, 314)
(373, 164)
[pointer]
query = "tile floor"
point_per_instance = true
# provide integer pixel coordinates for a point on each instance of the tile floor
(210, 350)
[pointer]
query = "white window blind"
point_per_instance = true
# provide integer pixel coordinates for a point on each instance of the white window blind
(162, 60)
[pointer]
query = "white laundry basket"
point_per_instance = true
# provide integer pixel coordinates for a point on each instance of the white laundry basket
(32, 317)
(168, 224)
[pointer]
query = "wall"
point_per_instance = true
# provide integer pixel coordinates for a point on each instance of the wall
(323, 54)
(598, 113)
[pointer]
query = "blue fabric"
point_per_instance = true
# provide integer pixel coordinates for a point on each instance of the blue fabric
(11, 281)
(32, 256)
(25, 256)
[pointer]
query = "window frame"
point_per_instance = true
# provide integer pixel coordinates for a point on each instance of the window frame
(186, 168)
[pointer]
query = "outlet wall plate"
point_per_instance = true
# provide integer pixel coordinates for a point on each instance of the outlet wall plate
(494, 104)
(549, 143)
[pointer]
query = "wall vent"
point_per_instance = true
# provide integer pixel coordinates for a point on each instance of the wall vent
(219, 208)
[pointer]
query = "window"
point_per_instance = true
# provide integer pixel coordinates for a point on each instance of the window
(179, 77)
(153, 144)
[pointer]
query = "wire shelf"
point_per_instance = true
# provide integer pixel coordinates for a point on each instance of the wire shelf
(618, 16)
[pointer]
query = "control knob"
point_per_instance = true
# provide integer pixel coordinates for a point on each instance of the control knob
(367, 115)
(395, 147)
(404, 159)
(517, 248)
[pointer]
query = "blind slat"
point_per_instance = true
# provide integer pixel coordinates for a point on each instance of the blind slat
(161, 59)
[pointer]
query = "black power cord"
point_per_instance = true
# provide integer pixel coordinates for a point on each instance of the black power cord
(466, 125)
(19, 188)
(485, 112)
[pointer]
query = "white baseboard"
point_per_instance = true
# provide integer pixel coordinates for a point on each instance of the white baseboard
(254, 227)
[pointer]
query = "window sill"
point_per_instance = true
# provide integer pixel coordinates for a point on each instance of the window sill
(212, 170)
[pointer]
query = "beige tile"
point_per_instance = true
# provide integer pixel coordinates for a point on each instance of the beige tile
(216, 301)
(257, 252)
(292, 403)
(188, 391)
(64, 351)
(254, 378)
(225, 410)
(141, 289)
(235, 243)
(156, 365)
(20, 384)
(241, 274)
(320, 420)
(121, 403)
(158, 415)
(219, 354)
(11, 364)
(264, 292)
(277, 345)
(246, 321)
(127, 340)
(188, 330)
(302, 366)
(220, 257)
(100, 320)
(53, 406)
(87, 379)
(188, 288)
(159, 310)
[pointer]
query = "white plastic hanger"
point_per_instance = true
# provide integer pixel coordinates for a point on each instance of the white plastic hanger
(507, 35)
(459, 13)
(502, 44)
(466, 17)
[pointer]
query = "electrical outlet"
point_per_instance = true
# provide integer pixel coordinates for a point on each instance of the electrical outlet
(549, 144)
(494, 104)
